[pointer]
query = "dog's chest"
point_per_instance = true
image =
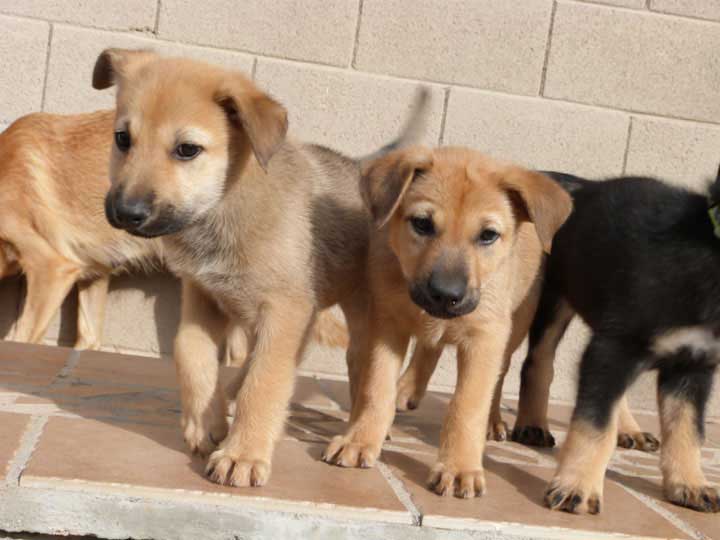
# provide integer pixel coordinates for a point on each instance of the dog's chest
(212, 262)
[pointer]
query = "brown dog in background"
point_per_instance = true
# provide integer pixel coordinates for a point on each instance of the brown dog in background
(263, 231)
(53, 182)
(456, 258)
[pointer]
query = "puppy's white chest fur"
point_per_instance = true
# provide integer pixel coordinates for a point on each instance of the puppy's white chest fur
(698, 340)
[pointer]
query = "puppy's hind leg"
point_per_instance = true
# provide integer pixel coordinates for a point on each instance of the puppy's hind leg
(630, 434)
(48, 283)
(548, 327)
(414, 381)
(608, 367)
(92, 299)
(683, 391)
(497, 429)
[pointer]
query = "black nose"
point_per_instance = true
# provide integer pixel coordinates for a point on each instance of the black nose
(129, 214)
(447, 288)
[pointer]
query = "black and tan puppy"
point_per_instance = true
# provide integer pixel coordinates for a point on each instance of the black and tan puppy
(638, 260)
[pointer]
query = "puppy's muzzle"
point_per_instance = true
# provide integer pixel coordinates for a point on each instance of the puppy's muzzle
(129, 214)
(445, 295)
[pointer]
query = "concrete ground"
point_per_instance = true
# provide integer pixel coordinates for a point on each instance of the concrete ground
(90, 445)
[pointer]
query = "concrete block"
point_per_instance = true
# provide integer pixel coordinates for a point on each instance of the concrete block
(23, 49)
(318, 31)
(348, 111)
(127, 15)
(494, 45)
(603, 56)
(684, 153)
(73, 54)
(702, 9)
(538, 133)
(141, 317)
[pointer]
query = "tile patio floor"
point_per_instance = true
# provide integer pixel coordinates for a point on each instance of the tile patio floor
(90, 445)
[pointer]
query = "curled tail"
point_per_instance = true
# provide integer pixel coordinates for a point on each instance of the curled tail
(411, 131)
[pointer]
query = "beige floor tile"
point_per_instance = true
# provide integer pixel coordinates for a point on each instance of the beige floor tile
(515, 496)
(25, 364)
(148, 405)
(12, 427)
(104, 367)
(155, 457)
(707, 524)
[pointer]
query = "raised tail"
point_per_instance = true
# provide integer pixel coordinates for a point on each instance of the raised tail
(411, 131)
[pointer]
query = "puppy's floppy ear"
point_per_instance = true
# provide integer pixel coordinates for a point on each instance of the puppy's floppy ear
(113, 64)
(540, 199)
(263, 119)
(385, 180)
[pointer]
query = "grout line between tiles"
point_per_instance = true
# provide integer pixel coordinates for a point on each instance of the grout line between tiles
(401, 493)
(652, 504)
(27, 445)
(543, 75)
(47, 67)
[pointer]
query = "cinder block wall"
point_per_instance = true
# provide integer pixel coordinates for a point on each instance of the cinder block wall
(597, 88)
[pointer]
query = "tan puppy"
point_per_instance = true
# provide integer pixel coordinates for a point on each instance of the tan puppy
(261, 229)
(53, 182)
(456, 259)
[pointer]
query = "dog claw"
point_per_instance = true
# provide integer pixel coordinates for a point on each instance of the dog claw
(700, 498)
(533, 436)
(571, 500)
(643, 441)
(343, 452)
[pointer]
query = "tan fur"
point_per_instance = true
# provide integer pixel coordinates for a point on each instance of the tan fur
(53, 182)
(53, 179)
(683, 480)
(465, 192)
(578, 482)
(269, 232)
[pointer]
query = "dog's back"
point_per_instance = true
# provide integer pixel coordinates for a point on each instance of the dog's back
(53, 179)
(628, 246)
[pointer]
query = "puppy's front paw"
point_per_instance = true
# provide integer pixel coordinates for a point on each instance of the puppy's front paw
(344, 451)
(228, 469)
(462, 482)
(533, 436)
(639, 440)
(700, 498)
(203, 436)
(572, 498)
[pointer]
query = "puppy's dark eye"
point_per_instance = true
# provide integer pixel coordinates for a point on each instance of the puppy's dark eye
(122, 140)
(423, 226)
(487, 237)
(187, 151)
